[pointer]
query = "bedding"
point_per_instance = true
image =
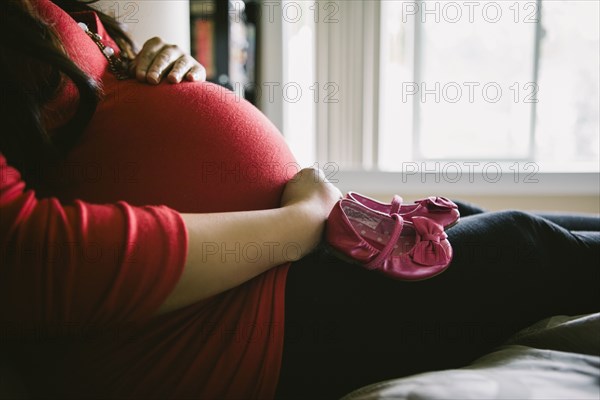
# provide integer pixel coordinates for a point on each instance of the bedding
(557, 358)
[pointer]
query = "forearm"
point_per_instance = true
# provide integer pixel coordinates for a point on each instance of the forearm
(227, 249)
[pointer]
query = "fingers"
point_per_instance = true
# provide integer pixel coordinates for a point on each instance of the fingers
(180, 68)
(196, 73)
(311, 173)
(162, 63)
(186, 67)
(157, 59)
(146, 56)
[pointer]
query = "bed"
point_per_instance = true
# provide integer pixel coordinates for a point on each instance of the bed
(557, 358)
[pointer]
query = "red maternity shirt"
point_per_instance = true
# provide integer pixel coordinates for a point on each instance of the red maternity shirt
(84, 270)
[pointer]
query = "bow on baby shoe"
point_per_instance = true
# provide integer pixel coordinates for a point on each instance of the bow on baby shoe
(434, 203)
(428, 249)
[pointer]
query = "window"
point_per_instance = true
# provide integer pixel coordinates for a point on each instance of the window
(471, 84)
(492, 81)
(390, 82)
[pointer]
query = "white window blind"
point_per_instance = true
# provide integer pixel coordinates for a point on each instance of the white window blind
(391, 83)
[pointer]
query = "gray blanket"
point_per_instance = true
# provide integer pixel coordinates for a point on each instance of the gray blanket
(557, 358)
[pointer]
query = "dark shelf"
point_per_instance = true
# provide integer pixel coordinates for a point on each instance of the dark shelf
(224, 36)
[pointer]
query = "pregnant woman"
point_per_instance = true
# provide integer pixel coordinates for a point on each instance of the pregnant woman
(153, 243)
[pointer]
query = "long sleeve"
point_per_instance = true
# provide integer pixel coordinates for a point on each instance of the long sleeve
(82, 263)
(100, 271)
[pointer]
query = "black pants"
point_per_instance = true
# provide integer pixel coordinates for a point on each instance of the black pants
(347, 327)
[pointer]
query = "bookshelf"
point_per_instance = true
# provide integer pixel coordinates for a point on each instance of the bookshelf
(223, 39)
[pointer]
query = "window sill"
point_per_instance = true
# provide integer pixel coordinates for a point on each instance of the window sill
(465, 183)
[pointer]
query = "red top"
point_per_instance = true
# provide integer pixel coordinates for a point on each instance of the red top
(90, 276)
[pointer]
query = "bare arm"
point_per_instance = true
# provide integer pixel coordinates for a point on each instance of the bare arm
(227, 249)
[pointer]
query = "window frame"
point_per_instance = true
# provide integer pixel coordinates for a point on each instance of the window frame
(360, 137)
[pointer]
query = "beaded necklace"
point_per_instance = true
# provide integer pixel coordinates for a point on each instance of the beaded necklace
(119, 66)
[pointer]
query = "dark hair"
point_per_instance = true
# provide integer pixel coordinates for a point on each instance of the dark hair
(33, 66)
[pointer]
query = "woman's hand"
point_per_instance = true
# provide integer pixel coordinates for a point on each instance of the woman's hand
(157, 59)
(310, 185)
(282, 234)
(311, 190)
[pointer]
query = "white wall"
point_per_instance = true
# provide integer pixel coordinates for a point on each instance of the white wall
(167, 19)
(271, 67)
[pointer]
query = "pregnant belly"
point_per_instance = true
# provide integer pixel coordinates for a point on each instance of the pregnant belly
(194, 147)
